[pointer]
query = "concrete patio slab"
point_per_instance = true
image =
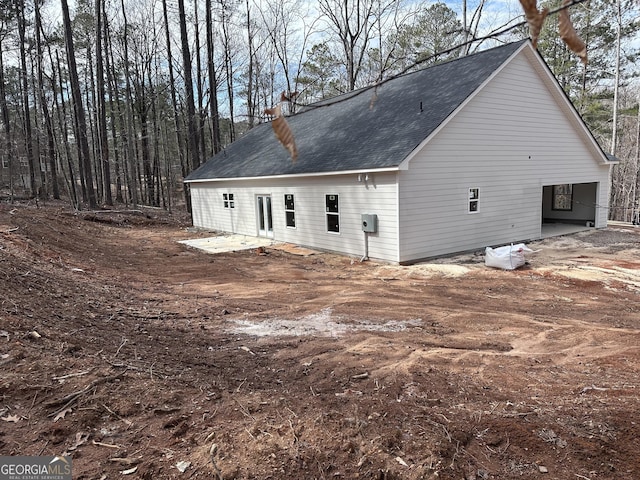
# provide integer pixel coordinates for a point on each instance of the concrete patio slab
(228, 243)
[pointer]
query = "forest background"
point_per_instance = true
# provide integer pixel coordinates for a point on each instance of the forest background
(108, 102)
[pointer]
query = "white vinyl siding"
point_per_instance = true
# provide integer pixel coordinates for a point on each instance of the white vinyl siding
(510, 141)
(377, 196)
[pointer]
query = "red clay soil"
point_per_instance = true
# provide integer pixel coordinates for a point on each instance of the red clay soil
(143, 358)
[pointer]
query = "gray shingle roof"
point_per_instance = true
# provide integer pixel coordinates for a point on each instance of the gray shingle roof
(351, 134)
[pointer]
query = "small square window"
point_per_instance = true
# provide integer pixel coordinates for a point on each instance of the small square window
(332, 203)
(474, 200)
(291, 219)
(227, 199)
(332, 223)
(288, 202)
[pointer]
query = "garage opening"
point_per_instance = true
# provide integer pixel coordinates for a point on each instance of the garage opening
(568, 207)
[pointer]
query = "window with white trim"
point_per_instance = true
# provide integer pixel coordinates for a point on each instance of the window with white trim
(289, 210)
(474, 200)
(227, 198)
(332, 213)
(562, 197)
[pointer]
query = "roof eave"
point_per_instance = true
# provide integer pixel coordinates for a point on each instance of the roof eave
(611, 159)
(298, 175)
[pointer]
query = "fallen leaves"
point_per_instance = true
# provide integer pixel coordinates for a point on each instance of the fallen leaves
(11, 418)
(81, 439)
(62, 414)
(282, 130)
(568, 33)
(535, 18)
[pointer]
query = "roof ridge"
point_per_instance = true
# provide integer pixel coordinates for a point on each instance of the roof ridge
(325, 102)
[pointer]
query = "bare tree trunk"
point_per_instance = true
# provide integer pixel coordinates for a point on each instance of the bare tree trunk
(143, 114)
(228, 66)
(159, 140)
(188, 81)
(472, 28)
(78, 107)
(213, 83)
(62, 116)
(130, 163)
(78, 150)
(251, 113)
(616, 84)
(636, 203)
(89, 82)
(200, 112)
(154, 196)
(37, 153)
(112, 89)
(25, 99)
(176, 115)
(55, 190)
(169, 180)
(5, 120)
(465, 29)
(103, 143)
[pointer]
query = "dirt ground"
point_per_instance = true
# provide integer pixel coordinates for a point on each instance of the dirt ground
(143, 358)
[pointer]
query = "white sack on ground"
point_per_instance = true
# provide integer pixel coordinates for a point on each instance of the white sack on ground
(508, 257)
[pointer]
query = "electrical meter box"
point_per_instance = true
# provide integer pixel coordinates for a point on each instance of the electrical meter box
(369, 222)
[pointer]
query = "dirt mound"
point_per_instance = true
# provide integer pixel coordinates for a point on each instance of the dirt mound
(135, 354)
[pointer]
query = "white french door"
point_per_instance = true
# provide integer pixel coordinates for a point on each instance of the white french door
(265, 217)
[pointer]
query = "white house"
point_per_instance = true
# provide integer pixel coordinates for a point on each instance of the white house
(480, 151)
